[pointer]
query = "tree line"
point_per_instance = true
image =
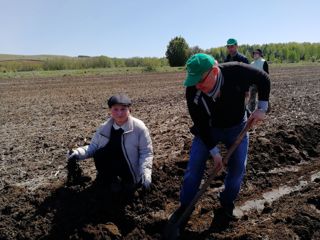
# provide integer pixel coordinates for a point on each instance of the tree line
(178, 51)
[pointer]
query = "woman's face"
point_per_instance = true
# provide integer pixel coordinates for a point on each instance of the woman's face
(120, 113)
(256, 55)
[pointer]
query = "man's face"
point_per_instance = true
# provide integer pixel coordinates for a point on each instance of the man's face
(120, 113)
(232, 49)
(208, 80)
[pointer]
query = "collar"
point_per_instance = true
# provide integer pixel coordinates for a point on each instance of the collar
(215, 91)
(127, 127)
(106, 128)
(116, 126)
(233, 56)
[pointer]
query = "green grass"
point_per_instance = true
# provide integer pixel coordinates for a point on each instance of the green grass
(20, 66)
(12, 59)
(84, 72)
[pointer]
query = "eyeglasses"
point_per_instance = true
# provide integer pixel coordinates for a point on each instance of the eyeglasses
(202, 80)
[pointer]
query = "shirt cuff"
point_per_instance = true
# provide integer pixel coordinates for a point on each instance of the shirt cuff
(214, 151)
(263, 105)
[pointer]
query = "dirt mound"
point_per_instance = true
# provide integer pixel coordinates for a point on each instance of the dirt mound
(36, 202)
(285, 146)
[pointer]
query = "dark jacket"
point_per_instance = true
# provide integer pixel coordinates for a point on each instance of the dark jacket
(237, 58)
(228, 109)
(266, 67)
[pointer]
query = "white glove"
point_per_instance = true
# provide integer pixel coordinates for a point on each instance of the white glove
(72, 155)
(146, 183)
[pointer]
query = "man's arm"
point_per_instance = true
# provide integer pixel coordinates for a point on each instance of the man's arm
(146, 156)
(262, 81)
(259, 78)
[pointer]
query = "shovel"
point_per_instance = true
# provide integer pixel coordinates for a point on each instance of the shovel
(172, 228)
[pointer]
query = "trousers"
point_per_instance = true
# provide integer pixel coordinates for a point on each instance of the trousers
(235, 169)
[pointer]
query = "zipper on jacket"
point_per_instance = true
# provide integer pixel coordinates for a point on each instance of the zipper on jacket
(206, 106)
(127, 158)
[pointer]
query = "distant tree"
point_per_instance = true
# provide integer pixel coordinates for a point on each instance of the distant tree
(293, 57)
(177, 52)
(216, 53)
(195, 49)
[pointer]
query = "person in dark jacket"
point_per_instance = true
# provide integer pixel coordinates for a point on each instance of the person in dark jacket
(233, 54)
(121, 148)
(215, 95)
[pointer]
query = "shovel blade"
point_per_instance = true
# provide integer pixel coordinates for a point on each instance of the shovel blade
(177, 222)
(171, 231)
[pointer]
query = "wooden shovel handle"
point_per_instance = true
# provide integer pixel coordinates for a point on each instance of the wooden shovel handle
(237, 141)
(207, 183)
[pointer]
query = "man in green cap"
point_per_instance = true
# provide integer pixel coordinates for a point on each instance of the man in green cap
(233, 54)
(215, 95)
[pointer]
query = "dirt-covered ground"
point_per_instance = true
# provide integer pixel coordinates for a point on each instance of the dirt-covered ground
(42, 118)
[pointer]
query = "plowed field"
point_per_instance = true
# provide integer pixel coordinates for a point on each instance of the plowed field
(42, 117)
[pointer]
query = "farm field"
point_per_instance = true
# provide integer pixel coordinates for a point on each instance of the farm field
(41, 118)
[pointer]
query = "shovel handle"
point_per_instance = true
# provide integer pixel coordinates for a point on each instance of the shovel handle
(237, 141)
(207, 183)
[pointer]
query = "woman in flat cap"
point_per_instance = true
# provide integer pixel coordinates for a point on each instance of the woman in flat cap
(260, 63)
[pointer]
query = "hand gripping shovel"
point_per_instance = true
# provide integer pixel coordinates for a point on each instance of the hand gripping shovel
(172, 228)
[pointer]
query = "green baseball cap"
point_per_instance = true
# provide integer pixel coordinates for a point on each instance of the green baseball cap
(197, 65)
(232, 41)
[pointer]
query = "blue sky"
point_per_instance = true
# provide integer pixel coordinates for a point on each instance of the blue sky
(144, 28)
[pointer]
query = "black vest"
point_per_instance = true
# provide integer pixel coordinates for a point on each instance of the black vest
(114, 161)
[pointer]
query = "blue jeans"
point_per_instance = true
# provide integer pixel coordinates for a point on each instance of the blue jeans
(235, 170)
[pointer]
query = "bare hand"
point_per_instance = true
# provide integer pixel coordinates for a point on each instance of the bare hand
(218, 165)
(257, 116)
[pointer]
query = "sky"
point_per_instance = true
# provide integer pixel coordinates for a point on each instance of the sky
(144, 28)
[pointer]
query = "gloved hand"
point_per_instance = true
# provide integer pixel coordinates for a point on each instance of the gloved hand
(146, 183)
(75, 174)
(72, 155)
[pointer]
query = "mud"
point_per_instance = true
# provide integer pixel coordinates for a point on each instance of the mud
(42, 118)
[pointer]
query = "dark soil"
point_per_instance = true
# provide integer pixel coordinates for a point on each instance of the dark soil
(42, 118)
